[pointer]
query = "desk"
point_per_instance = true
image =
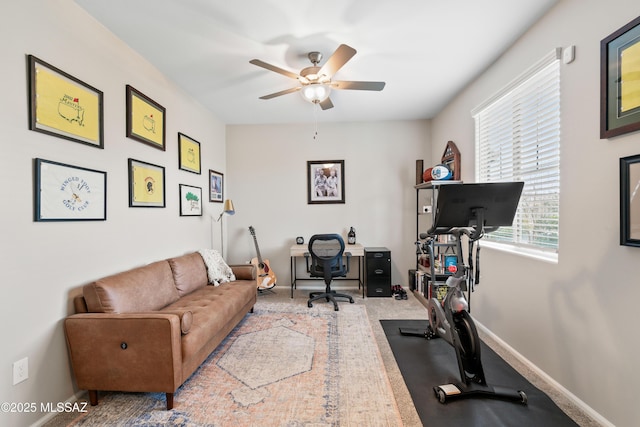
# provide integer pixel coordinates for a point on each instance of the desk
(356, 250)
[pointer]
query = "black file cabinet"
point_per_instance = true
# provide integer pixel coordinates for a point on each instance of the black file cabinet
(377, 272)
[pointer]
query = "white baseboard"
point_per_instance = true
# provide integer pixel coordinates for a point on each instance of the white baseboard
(70, 401)
(548, 379)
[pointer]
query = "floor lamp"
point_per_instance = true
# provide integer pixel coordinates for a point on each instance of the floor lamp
(229, 210)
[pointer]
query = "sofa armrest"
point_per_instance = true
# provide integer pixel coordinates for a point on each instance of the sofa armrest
(244, 271)
(125, 352)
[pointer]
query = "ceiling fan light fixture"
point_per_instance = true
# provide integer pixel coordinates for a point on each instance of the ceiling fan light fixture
(315, 92)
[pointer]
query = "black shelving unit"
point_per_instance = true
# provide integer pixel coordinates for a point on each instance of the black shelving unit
(431, 275)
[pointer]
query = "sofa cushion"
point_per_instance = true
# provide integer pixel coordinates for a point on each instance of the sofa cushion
(145, 288)
(189, 273)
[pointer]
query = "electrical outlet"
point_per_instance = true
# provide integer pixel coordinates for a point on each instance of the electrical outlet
(20, 370)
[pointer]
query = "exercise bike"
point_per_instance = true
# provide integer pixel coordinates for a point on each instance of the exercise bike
(469, 210)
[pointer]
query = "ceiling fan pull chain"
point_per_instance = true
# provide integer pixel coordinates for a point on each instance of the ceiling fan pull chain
(315, 119)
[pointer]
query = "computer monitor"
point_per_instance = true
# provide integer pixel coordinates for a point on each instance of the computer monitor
(458, 204)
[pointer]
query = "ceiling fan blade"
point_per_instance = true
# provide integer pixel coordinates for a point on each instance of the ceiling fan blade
(326, 104)
(273, 68)
(282, 92)
(358, 85)
(340, 57)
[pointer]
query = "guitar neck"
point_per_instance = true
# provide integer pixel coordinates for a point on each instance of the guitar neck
(255, 242)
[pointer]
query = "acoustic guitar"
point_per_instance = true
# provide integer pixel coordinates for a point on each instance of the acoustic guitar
(266, 277)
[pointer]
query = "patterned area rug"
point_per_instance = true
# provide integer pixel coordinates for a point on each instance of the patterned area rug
(283, 365)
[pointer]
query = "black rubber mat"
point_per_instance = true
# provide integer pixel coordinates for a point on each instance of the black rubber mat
(428, 363)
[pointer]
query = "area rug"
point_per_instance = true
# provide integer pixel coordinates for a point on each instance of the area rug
(283, 365)
(427, 363)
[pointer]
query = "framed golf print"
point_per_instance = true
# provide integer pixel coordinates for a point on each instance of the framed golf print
(146, 185)
(64, 106)
(188, 154)
(619, 84)
(69, 193)
(190, 200)
(145, 119)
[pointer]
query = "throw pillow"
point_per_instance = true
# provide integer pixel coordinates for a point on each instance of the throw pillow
(217, 269)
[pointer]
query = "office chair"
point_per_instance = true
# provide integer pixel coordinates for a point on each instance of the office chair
(326, 252)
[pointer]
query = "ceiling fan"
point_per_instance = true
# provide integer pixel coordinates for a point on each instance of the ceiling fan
(315, 81)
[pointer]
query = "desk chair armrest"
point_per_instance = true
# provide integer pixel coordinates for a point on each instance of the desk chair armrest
(306, 258)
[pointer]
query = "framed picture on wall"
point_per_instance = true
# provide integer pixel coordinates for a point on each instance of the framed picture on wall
(216, 186)
(630, 201)
(63, 106)
(325, 181)
(145, 119)
(619, 84)
(69, 193)
(188, 154)
(146, 185)
(190, 200)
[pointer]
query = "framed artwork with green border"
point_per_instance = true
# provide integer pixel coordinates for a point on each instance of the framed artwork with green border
(619, 84)
(145, 119)
(146, 185)
(188, 154)
(64, 106)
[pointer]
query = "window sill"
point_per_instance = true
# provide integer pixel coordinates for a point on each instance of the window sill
(551, 257)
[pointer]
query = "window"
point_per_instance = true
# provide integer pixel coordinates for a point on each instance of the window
(518, 139)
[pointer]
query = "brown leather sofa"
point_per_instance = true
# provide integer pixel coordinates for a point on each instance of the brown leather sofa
(148, 329)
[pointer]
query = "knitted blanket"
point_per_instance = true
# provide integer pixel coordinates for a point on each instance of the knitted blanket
(217, 269)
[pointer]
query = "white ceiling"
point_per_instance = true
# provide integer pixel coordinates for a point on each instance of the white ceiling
(426, 51)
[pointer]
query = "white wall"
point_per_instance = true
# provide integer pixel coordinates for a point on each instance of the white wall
(267, 172)
(43, 264)
(576, 319)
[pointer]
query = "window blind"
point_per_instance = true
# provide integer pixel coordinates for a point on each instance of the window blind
(518, 139)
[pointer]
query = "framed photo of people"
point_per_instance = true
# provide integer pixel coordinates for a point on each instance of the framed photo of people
(325, 181)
